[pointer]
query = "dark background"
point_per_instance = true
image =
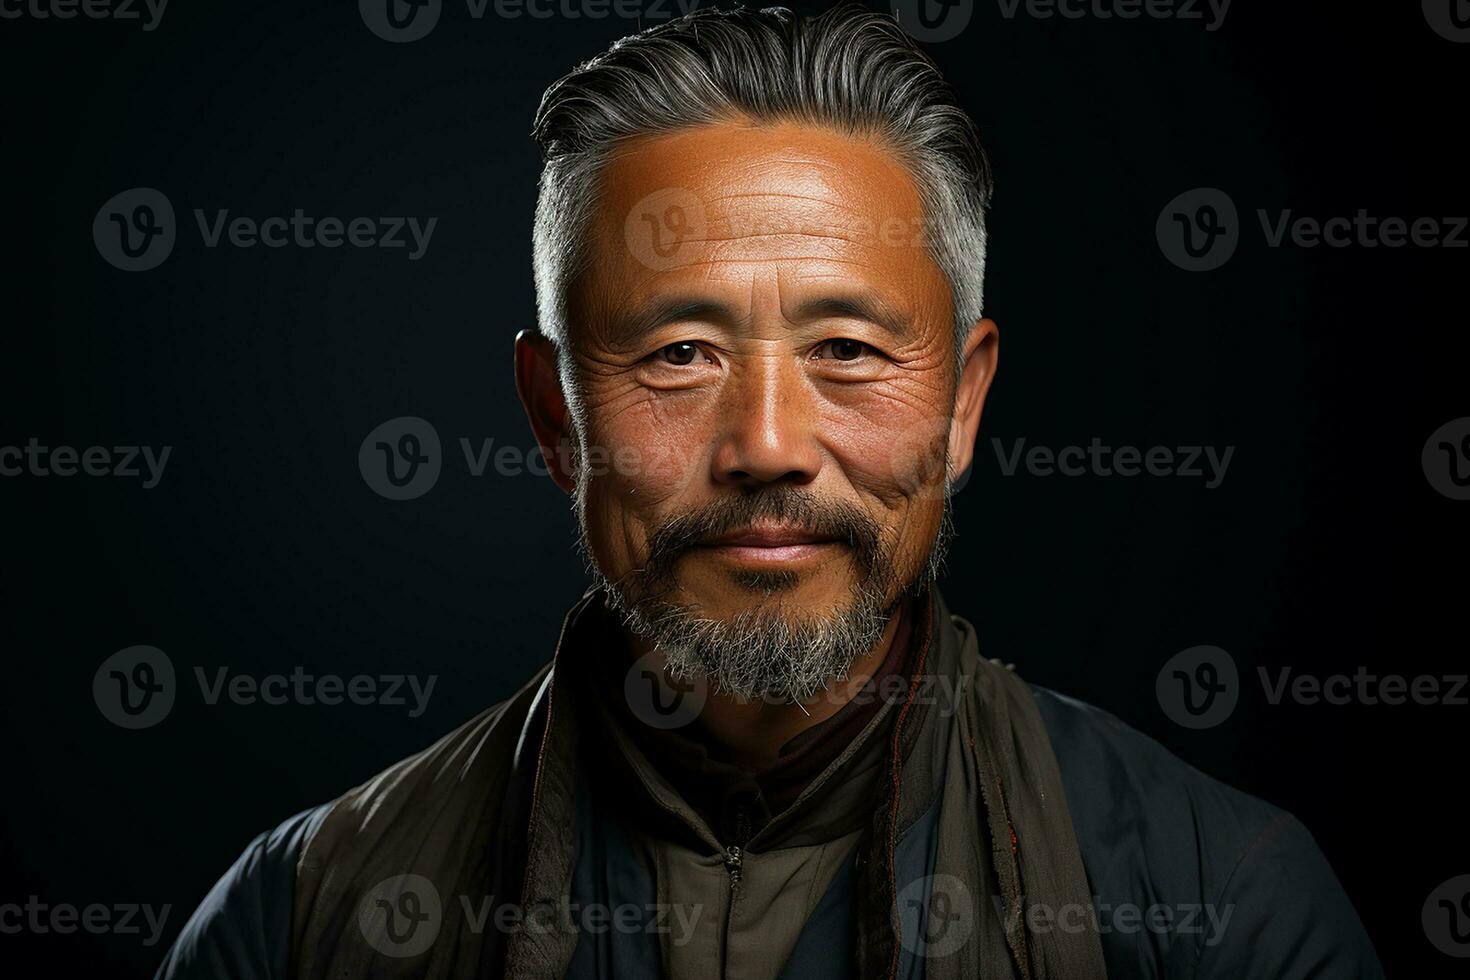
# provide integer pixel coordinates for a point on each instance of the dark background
(262, 548)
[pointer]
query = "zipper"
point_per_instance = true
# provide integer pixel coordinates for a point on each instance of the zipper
(733, 858)
(733, 853)
(732, 865)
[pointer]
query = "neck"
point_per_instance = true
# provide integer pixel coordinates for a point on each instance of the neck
(752, 733)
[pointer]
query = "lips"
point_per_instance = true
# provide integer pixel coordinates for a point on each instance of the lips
(769, 537)
(770, 547)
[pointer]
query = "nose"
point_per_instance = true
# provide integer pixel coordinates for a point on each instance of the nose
(768, 432)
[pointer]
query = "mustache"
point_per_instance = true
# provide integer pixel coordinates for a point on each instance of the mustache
(787, 505)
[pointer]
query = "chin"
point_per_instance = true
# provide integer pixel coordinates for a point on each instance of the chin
(786, 596)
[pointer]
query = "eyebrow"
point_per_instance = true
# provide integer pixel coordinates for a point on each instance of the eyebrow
(661, 312)
(859, 306)
(673, 309)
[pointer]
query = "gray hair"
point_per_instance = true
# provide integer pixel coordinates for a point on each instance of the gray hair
(848, 68)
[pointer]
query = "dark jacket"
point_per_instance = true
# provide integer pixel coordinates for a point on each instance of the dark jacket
(1184, 877)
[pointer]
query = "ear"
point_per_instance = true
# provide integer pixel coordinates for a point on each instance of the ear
(538, 382)
(981, 356)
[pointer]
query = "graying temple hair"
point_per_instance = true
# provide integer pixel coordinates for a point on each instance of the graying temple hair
(849, 69)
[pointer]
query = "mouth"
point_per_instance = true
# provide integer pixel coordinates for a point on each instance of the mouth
(771, 545)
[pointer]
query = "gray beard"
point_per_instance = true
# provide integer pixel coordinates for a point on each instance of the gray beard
(769, 652)
(775, 650)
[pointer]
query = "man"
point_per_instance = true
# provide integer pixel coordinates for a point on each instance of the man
(764, 747)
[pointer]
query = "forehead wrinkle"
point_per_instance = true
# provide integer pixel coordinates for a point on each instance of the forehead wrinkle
(625, 328)
(784, 249)
(818, 218)
(824, 203)
(722, 240)
(787, 159)
(832, 197)
(861, 302)
(869, 308)
(836, 260)
(644, 308)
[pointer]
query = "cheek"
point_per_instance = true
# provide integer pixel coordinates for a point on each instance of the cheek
(654, 449)
(639, 461)
(893, 450)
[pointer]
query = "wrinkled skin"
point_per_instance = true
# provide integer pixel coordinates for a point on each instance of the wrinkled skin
(759, 311)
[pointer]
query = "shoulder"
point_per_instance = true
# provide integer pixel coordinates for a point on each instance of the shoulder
(1114, 772)
(1195, 878)
(247, 925)
(474, 760)
(242, 928)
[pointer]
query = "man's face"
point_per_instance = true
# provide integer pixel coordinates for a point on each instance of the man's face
(763, 352)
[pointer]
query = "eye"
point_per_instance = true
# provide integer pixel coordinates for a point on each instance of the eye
(842, 349)
(681, 354)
